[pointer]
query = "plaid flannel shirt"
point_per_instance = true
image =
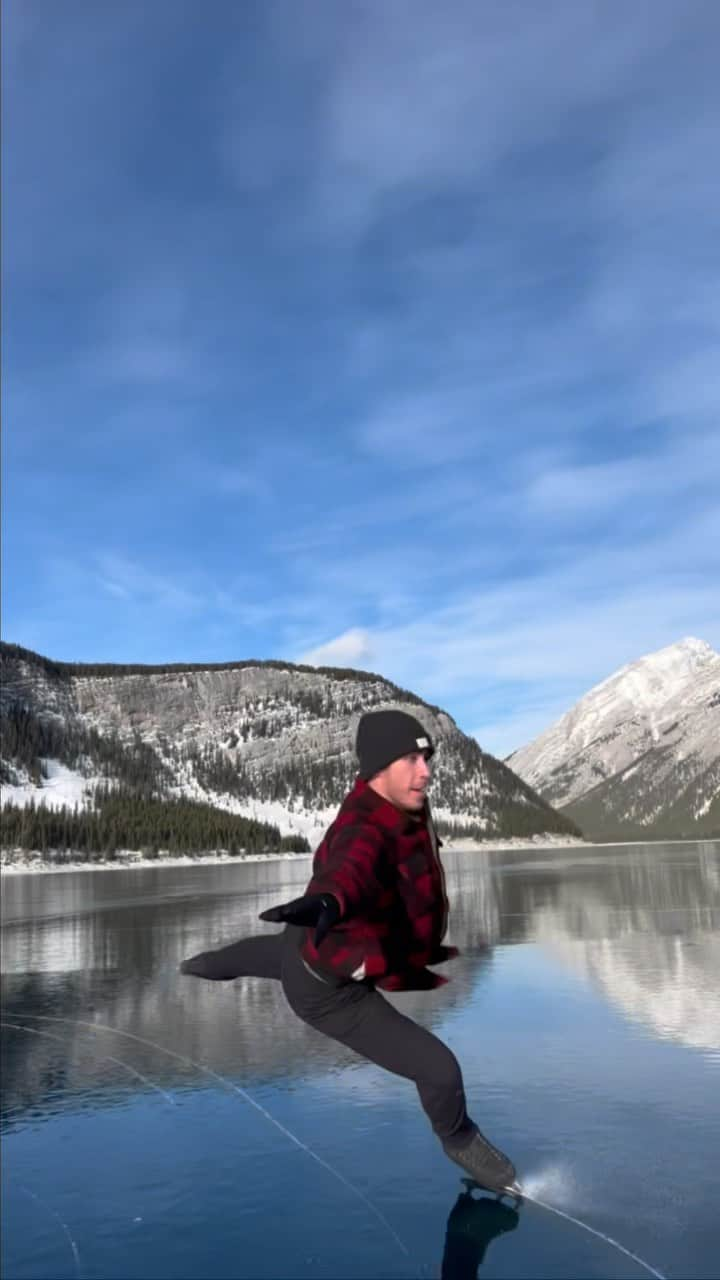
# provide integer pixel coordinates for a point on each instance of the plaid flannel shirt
(384, 868)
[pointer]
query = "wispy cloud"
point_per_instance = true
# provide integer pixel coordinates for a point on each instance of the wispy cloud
(133, 582)
(417, 98)
(429, 428)
(382, 334)
(507, 658)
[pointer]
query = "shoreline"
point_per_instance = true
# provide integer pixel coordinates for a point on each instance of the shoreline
(130, 861)
(29, 864)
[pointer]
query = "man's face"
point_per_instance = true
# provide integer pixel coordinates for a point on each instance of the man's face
(404, 783)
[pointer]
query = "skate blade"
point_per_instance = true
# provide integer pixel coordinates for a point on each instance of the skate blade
(514, 1191)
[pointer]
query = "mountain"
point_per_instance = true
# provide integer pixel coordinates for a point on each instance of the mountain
(270, 741)
(639, 755)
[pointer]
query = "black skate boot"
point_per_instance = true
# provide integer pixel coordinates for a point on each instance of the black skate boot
(487, 1166)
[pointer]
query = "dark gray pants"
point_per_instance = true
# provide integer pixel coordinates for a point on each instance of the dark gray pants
(356, 1015)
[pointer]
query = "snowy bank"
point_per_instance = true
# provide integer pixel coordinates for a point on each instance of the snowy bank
(21, 862)
(18, 861)
(14, 861)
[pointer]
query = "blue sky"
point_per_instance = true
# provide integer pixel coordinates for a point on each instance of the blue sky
(376, 334)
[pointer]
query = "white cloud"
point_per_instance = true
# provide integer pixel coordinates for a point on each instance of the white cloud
(351, 649)
(508, 658)
(681, 464)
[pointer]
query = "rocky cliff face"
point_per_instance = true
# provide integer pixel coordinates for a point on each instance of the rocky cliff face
(266, 740)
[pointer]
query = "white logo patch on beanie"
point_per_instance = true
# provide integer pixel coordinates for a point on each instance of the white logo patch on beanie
(422, 743)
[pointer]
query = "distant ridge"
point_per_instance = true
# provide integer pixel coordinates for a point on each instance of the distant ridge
(639, 754)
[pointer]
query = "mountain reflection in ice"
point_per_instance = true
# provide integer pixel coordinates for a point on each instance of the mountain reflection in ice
(648, 935)
(641, 923)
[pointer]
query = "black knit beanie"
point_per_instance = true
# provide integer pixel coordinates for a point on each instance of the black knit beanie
(384, 736)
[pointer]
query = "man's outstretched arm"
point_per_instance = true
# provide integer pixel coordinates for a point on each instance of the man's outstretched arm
(347, 881)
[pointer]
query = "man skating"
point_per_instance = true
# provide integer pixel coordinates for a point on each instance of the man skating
(374, 916)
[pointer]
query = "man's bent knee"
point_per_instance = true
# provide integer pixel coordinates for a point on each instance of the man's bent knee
(443, 1071)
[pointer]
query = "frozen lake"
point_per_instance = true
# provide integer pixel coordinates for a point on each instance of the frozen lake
(147, 1117)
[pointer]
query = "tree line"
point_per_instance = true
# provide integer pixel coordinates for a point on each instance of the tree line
(138, 773)
(28, 739)
(119, 821)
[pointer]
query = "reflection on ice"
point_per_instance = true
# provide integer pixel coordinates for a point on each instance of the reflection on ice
(669, 985)
(643, 925)
(107, 1036)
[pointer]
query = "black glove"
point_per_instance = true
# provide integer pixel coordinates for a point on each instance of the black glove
(320, 909)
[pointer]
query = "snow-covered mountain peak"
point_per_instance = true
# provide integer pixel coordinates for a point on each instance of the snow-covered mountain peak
(663, 708)
(643, 690)
(693, 645)
(665, 672)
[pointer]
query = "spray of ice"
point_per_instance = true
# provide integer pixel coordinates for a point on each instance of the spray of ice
(552, 1183)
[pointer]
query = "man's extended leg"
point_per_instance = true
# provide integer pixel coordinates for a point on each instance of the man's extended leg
(256, 957)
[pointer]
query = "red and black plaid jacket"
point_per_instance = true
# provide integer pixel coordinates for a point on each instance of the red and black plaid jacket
(383, 867)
